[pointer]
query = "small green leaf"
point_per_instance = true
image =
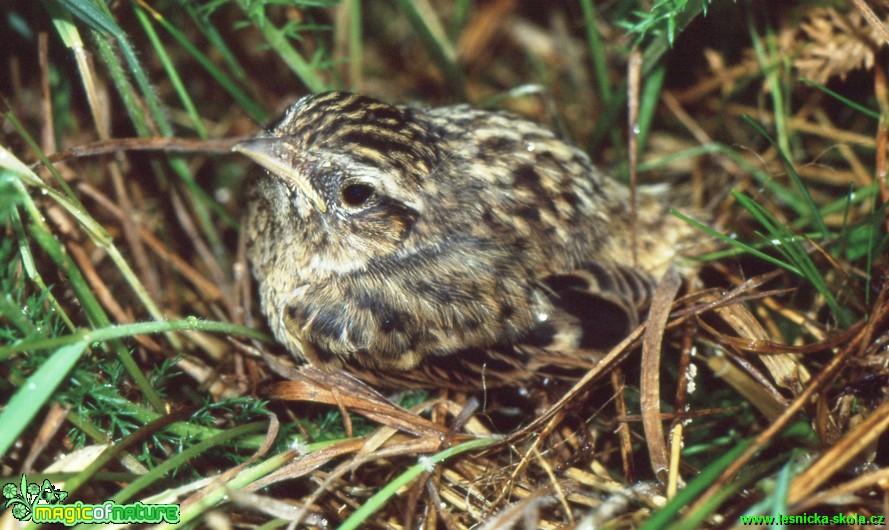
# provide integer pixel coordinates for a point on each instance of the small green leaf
(36, 391)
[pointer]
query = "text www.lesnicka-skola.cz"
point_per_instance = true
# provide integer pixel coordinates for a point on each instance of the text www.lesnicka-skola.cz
(813, 519)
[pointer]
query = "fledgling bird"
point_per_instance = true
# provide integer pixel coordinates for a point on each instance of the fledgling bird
(385, 235)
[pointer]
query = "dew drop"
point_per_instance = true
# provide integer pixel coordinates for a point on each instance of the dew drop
(223, 195)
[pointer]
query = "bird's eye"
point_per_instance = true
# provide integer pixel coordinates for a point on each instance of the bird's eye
(357, 194)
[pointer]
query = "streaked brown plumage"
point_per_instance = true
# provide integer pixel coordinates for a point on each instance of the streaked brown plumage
(384, 235)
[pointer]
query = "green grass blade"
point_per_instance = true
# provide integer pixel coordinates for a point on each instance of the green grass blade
(224, 490)
(769, 59)
(846, 230)
(649, 100)
(598, 54)
(854, 197)
(651, 58)
(842, 99)
(778, 497)
(371, 505)
(172, 73)
(695, 487)
(103, 28)
(277, 39)
(761, 177)
(201, 16)
(679, 156)
(794, 176)
(459, 18)
(436, 43)
(97, 17)
(356, 54)
(736, 243)
(90, 14)
(789, 246)
(44, 237)
(14, 165)
(874, 249)
(36, 391)
(118, 331)
(32, 272)
(181, 458)
(244, 100)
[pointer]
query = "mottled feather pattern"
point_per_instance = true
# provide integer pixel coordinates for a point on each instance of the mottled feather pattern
(385, 235)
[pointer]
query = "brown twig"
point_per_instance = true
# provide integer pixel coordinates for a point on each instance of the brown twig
(157, 144)
(650, 385)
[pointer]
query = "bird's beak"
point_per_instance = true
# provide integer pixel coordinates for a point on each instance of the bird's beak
(269, 153)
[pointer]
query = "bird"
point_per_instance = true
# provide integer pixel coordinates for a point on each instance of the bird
(390, 236)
